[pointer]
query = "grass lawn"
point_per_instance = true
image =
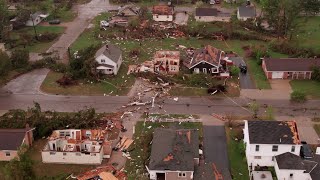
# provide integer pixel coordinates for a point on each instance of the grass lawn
(317, 128)
(49, 85)
(258, 75)
(141, 148)
(308, 33)
(36, 46)
(238, 162)
(311, 88)
(175, 116)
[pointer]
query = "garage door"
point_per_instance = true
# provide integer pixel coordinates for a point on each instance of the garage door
(277, 75)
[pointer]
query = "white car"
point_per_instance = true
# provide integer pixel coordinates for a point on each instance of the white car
(104, 24)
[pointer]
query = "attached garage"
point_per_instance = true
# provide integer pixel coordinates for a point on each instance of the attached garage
(289, 68)
(277, 75)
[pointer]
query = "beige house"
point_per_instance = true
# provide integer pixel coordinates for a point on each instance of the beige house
(211, 15)
(246, 12)
(162, 13)
(167, 62)
(76, 146)
(12, 139)
(109, 59)
(174, 154)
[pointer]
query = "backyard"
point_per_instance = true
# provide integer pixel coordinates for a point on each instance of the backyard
(309, 87)
(140, 150)
(308, 34)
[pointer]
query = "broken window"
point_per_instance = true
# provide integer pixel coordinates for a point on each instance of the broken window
(7, 153)
(257, 148)
(182, 174)
(293, 148)
(274, 148)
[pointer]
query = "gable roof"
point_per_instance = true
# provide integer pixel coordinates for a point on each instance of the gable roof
(132, 8)
(174, 150)
(162, 10)
(207, 54)
(206, 12)
(273, 132)
(293, 162)
(315, 174)
(110, 51)
(291, 64)
(247, 11)
(11, 139)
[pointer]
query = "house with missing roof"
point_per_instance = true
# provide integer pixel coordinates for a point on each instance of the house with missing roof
(211, 15)
(76, 146)
(289, 68)
(264, 140)
(36, 18)
(12, 139)
(174, 154)
(246, 12)
(167, 62)
(109, 59)
(208, 60)
(292, 167)
(162, 13)
(129, 10)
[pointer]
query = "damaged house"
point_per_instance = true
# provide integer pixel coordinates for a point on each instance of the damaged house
(208, 60)
(162, 13)
(174, 154)
(128, 10)
(76, 146)
(266, 139)
(167, 62)
(109, 59)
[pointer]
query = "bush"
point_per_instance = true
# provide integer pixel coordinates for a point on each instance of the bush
(47, 37)
(235, 71)
(5, 63)
(298, 96)
(315, 73)
(20, 58)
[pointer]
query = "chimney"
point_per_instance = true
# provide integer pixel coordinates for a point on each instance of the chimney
(107, 47)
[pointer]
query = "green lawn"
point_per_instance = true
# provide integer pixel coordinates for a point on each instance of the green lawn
(118, 86)
(258, 75)
(141, 148)
(308, 33)
(237, 160)
(311, 88)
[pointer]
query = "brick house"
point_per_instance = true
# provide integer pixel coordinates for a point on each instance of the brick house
(289, 68)
(12, 139)
(174, 154)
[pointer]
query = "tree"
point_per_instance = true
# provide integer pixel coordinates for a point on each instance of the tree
(254, 107)
(315, 73)
(269, 113)
(235, 71)
(298, 96)
(310, 7)
(5, 63)
(4, 16)
(282, 15)
(20, 58)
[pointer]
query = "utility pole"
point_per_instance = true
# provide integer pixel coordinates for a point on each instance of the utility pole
(34, 27)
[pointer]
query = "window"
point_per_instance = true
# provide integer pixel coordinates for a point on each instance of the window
(274, 148)
(52, 153)
(257, 148)
(61, 133)
(214, 69)
(181, 174)
(199, 17)
(103, 60)
(257, 157)
(196, 70)
(291, 175)
(67, 133)
(64, 154)
(7, 153)
(204, 70)
(293, 148)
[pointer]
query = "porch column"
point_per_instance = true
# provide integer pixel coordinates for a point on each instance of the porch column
(304, 75)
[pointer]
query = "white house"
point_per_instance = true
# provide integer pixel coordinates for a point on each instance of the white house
(109, 59)
(162, 13)
(76, 146)
(36, 18)
(266, 139)
(211, 15)
(246, 12)
(174, 154)
(289, 166)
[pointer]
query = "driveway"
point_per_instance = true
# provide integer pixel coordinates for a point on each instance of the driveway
(245, 80)
(215, 149)
(181, 18)
(28, 83)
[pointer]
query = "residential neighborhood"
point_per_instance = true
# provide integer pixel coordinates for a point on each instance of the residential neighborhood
(160, 90)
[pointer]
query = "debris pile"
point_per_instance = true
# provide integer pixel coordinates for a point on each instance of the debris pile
(103, 172)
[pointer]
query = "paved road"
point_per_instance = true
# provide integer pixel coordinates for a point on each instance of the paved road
(245, 80)
(86, 13)
(215, 149)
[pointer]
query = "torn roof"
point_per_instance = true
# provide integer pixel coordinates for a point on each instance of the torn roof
(75, 135)
(208, 54)
(131, 7)
(102, 171)
(11, 139)
(174, 150)
(167, 54)
(273, 132)
(162, 10)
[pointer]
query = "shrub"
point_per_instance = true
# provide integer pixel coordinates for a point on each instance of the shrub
(235, 71)
(316, 73)
(298, 96)
(47, 37)
(5, 63)
(20, 58)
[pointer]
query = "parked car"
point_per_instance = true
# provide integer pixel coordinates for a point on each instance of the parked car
(243, 68)
(54, 21)
(306, 151)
